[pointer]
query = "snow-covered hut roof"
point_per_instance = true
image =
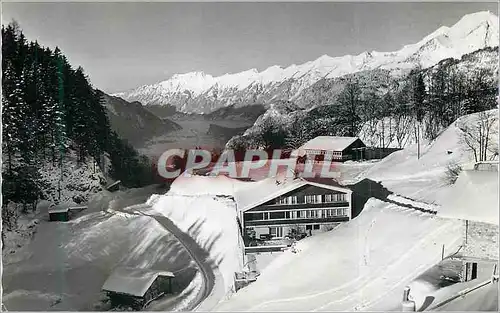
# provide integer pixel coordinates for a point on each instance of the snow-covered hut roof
(474, 196)
(132, 281)
(270, 188)
(329, 143)
(60, 208)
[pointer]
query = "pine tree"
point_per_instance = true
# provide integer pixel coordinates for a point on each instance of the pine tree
(418, 103)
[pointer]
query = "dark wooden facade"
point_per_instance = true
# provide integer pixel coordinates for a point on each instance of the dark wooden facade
(372, 153)
(161, 285)
(59, 216)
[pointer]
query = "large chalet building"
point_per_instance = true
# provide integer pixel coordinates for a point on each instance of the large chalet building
(335, 147)
(274, 208)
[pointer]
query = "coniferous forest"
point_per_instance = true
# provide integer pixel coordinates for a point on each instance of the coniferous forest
(49, 110)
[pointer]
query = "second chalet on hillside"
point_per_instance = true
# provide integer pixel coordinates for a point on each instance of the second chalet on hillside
(338, 148)
(275, 209)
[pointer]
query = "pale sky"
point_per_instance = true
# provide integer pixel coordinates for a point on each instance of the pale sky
(125, 45)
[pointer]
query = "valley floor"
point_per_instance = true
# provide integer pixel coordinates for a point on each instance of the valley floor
(194, 132)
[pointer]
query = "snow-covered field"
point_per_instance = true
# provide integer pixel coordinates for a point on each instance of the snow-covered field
(356, 266)
(202, 207)
(65, 265)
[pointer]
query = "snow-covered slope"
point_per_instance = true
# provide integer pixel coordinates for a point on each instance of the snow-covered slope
(201, 93)
(364, 264)
(202, 207)
(66, 264)
(425, 178)
(360, 264)
(78, 182)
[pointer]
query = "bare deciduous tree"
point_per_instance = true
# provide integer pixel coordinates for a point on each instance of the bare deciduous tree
(479, 134)
(403, 123)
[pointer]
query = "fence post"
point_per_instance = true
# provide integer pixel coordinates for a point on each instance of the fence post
(407, 305)
(406, 293)
(442, 253)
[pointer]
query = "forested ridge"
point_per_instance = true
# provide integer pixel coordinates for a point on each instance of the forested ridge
(51, 110)
(423, 99)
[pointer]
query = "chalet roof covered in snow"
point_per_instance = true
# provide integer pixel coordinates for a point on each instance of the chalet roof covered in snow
(132, 281)
(267, 189)
(330, 143)
(474, 196)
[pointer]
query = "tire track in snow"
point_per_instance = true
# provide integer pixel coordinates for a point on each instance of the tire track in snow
(198, 254)
(435, 234)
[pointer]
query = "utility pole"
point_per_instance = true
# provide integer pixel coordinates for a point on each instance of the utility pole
(418, 140)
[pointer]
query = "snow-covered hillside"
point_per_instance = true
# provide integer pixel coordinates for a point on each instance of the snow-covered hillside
(396, 130)
(425, 178)
(363, 263)
(203, 207)
(66, 264)
(75, 183)
(201, 93)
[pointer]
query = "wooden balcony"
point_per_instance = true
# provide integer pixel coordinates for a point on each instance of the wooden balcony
(295, 221)
(299, 206)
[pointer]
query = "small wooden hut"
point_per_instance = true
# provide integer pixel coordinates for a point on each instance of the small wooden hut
(59, 213)
(135, 288)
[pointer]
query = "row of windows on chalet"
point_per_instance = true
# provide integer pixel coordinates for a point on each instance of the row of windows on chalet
(336, 197)
(297, 214)
(323, 152)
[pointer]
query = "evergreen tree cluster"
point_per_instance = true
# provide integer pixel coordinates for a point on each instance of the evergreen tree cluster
(48, 109)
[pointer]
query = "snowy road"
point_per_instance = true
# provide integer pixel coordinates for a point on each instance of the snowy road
(197, 253)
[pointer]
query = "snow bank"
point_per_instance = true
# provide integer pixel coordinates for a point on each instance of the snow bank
(205, 185)
(426, 207)
(97, 235)
(360, 264)
(424, 179)
(211, 220)
(75, 258)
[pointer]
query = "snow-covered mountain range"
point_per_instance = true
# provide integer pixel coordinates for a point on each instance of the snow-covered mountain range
(197, 92)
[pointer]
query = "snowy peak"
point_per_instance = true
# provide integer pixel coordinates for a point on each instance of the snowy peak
(196, 82)
(472, 32)
(191, 90)
(471, 21)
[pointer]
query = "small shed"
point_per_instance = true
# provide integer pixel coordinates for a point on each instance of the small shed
(135, 288)
(59, 213)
